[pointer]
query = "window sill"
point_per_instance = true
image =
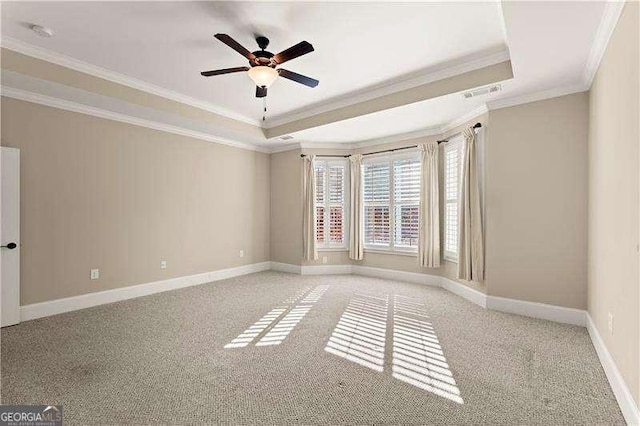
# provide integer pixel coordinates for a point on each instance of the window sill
(450, 259)
(395, 252)
(333, 249)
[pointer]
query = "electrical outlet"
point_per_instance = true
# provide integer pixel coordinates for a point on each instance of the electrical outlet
(95, 274)
(163, 264)
(324, 259)
(241, 253)
(610, 323)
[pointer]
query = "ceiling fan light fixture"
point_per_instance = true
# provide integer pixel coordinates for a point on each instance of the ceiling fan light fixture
(263, 76)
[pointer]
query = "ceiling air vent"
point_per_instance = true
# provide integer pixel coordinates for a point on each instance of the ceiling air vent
(482, 91)
(286, 137)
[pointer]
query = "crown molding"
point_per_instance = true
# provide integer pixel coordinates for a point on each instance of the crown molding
(327, 145)
(422, 77)
(482, 109)
(84, 67)
(285, 148)
(536, 96)
(442, 130)
(610, 16)
(439, 131)
(66, 105)
(422, 133)
(429, 131)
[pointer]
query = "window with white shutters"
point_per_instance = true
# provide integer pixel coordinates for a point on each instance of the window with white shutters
(331, 212)
(452, 167)
(377, 204)
(391, 202)
(406, 184)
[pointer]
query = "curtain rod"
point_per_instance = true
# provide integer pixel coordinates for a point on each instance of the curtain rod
(475, 126)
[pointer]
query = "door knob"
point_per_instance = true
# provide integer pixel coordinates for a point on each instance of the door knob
(10, 246)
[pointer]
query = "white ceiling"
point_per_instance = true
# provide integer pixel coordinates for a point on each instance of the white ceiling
(358, 46)
(550, 44)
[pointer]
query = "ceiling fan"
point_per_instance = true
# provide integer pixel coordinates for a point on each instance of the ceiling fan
(263, 63)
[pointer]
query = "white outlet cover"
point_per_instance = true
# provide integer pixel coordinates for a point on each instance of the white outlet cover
(163, 264)
(241, 253)
(324, 259)
(95, 274)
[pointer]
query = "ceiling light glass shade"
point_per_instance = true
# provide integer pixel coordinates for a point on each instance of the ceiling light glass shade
(263, 76)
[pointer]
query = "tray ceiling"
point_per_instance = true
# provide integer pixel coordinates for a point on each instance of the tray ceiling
(357, 45)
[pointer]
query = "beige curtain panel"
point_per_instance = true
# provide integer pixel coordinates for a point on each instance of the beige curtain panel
(309, 250)
(470, 248)
(429, 220)
(356, 240)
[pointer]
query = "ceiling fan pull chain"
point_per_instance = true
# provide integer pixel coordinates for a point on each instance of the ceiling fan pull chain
(264, 106)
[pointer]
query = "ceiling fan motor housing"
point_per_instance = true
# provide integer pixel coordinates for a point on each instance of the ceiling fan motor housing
(263, 58)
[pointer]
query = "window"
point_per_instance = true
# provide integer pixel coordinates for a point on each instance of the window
(452, 181)
(391, 203)
(331, 214)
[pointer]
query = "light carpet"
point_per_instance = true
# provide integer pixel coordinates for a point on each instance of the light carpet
(287, 349)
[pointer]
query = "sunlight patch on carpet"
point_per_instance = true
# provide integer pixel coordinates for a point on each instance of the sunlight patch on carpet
(418, 358)
(361, 332)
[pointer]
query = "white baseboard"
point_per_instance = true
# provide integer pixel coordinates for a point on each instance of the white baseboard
(68, 304)
(326, 269)
(625, 399)
(537, 310)
(512, 306)
(391, 274)
(286, 267)
(473, 296)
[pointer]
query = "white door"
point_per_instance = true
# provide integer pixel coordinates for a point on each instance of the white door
(10, 236)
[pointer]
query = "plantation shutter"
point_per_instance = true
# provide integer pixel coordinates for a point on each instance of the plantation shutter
(406, 179)
(320, 202)
(452, 162)
(377, 181)
(330, 203)
(336, 203)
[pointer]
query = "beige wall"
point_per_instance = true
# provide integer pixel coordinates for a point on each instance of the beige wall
(536, 201)
(614, 137)
(286, 207)
(103, 194)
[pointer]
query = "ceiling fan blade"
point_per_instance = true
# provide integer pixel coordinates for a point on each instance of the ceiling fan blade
(298, 78)
(261, 92)
(226, 39)
(223, 71)
(293, 52)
